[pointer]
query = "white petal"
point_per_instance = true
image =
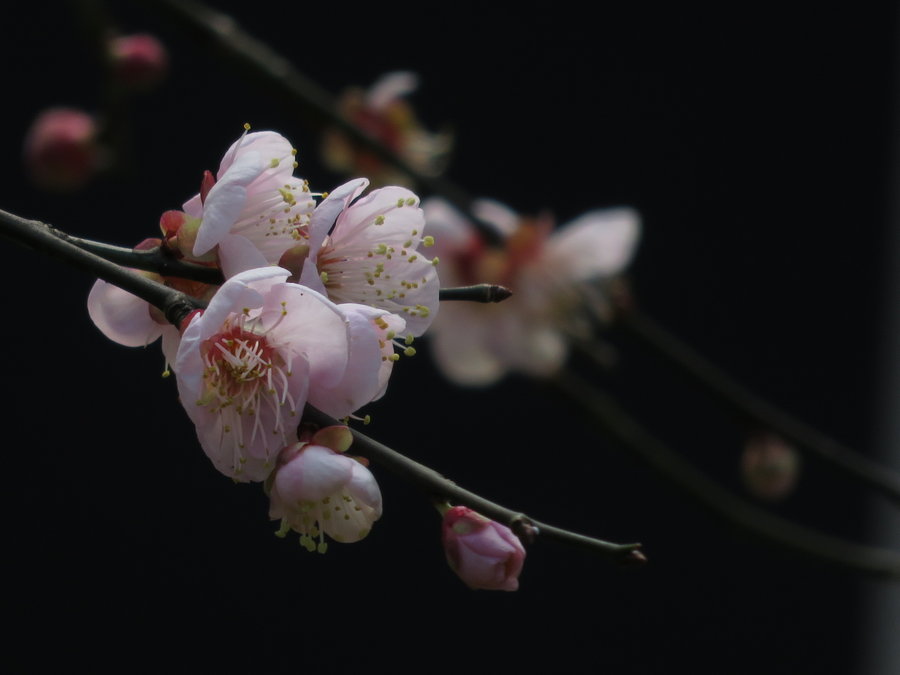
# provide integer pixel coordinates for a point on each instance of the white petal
(316, 472)
(390, 202)
(312, 325)
(238, 254)
(327, 212)
(268, 144)
(121, 316)
(597, 244)
(362, 381)
(389, 88)
(225, 201)
(461, 345)
(499, 215)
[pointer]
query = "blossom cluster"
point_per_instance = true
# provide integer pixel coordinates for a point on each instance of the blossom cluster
(320, 294)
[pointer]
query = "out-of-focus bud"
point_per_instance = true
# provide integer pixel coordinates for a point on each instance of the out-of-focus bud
(61, 150)
(139, 62)
(769, 467)
(484, 553)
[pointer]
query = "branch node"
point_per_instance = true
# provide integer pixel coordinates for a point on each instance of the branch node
(524, 529)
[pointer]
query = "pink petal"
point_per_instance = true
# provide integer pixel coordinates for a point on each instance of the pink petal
(314, 473)
(121, 316)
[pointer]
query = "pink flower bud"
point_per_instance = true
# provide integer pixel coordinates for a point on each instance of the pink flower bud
(770, 467)
(139, 61)
(484, 553)
(61, 149)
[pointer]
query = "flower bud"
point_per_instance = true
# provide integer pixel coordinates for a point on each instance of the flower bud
(484, 553)
(769, 467)
(61, 150)
(139, 61)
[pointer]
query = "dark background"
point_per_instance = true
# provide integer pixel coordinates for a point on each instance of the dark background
(757, 145)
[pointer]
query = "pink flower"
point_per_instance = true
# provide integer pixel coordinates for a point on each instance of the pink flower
(484, 553)
(317, 490)
(255, 209)
(247, 364)
(382, 113)
(556, 277)
(371, 255)
(138, 61)
(61, 149)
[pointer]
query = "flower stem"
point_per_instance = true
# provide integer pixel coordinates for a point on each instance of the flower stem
(442, 489)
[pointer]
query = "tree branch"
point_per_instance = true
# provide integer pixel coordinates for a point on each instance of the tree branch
(751, 519)
(41, 237)
(729, 391)
(440, 488)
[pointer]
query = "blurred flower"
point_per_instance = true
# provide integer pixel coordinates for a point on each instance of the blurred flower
(484, 553)
(254, 209)
(139, 62)
(61, 149)
(769, 466)
(556, 277)
(382, 113)
(317, 490)
(372, 254)
(247, 364)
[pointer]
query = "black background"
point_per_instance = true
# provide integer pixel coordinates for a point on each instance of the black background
(756, 143)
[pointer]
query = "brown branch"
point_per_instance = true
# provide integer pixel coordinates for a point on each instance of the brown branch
(440, 488)
(729, 391)
(602, 409)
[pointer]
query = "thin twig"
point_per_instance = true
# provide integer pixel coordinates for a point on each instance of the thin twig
(729, 391)
(485, 293)
(749, 518)
(41, 237)
(441, 488)
(158, 259)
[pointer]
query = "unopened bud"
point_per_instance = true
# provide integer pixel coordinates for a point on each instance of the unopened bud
(484, 553)
(769, 467)
(139, 61)
(61, 150)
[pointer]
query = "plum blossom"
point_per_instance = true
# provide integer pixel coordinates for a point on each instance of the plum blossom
(482, 552)
(246, 366)
(554, 276)
(316, 490)
(254, 209)
(384, 114)
(367, 252)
